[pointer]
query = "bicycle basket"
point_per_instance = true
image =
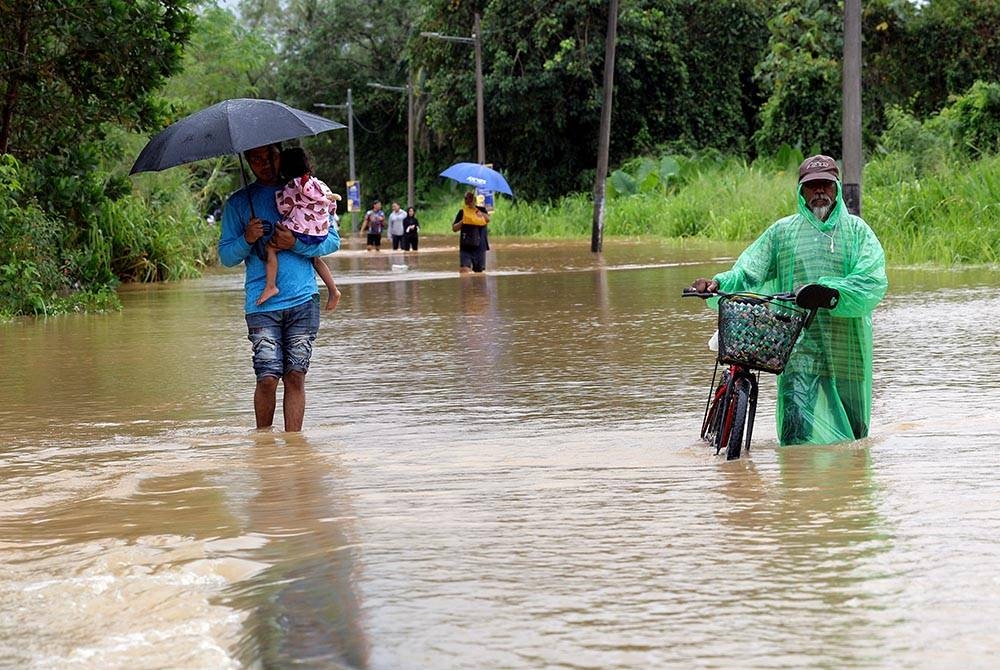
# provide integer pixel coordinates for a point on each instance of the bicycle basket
(756, 333)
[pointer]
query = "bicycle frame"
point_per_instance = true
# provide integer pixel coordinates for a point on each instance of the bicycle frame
(721, 411)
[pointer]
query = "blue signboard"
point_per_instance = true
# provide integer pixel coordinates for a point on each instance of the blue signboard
(484, 198)
(354, 196)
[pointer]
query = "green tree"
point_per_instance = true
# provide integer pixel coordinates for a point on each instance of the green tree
(224, 59)
(951, 44)
(324, 48)
(80, 69)
(802, 74)
(684, 79)
(68, 67)
(72, 76)
(976, 119)
(803, 69)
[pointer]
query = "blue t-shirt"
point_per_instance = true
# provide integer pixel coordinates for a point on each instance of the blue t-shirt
(296, 279)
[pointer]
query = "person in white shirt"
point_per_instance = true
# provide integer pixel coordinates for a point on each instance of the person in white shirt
(396, 216)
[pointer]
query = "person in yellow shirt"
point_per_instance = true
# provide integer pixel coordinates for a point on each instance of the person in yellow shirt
(470, 223)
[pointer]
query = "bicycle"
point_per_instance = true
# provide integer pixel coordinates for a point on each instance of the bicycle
(756, 334)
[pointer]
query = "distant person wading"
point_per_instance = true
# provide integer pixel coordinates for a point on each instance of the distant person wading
(471, 223)
(373, 225)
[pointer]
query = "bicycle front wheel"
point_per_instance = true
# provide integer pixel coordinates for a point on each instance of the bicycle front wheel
(736, 419)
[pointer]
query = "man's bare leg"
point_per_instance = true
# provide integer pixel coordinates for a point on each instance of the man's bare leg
(264, 400)
(294, 400)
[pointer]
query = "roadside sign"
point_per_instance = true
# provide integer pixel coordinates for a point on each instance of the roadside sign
(484, 197)
(354, 196)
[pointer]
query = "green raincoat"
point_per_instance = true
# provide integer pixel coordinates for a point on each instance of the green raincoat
(825, 392)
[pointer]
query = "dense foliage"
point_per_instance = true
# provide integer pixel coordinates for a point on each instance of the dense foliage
(68, 67)
(326, 48)
(543, 86)
(738, 76)
(932, 190)
(923, 209)
(542, 66)
(72, 74)
(950, 44)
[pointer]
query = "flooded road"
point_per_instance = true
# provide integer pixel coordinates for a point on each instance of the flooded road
(497, 471)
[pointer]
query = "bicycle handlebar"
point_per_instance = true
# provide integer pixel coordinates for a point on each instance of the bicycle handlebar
(690, 292)
(808, 296)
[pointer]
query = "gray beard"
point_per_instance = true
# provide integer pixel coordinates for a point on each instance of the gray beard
(821, 211)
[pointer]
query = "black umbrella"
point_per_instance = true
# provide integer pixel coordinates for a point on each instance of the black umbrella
(229, 127)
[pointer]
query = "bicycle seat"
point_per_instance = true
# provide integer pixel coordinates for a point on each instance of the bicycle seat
(816, 296)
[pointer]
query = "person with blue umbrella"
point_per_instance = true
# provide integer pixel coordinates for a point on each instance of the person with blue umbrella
(471, 220)
(470, 223)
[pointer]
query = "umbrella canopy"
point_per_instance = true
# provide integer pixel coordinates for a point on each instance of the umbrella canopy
(480, 176)
(229, 127)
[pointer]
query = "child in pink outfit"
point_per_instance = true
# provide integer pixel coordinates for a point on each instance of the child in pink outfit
(305, 203)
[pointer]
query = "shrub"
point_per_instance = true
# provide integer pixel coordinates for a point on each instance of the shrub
(915, 148)
(30, 273)
(976, 119)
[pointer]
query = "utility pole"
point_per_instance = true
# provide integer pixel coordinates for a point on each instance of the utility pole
(350, 146)
(480, 114)
(475, 41)
(604, 138)
(851, 128)
(408, 89)
(411, 138)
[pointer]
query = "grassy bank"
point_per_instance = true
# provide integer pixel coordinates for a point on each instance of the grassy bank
(946, 216)
(68, 242)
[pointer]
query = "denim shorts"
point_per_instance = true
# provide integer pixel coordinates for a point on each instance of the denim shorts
(283, 339)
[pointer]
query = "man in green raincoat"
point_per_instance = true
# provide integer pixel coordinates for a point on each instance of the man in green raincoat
(825, 392)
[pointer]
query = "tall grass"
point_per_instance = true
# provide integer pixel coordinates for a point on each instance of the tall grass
(947, 215)
(69, 242)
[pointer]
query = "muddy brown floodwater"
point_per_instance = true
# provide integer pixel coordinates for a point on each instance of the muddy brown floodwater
(499, 471)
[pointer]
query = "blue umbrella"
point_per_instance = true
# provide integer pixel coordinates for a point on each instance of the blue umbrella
(229, 127)
(480, 176)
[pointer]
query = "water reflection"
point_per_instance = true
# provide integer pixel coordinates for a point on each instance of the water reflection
(805, 547)
(305, 608)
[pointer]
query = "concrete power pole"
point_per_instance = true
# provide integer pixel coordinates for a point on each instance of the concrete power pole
(480, 114)
(408, 89)
(411, 132)
(604, 139)
(476, 41)
(350, 145)
(851, 128)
